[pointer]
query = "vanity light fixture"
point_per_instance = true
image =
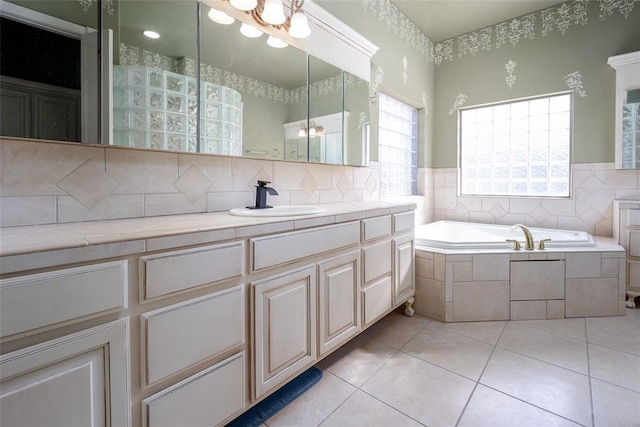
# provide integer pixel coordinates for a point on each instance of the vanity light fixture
(314, 130)
(151, 34)
(250, 31)
(244, 4)
(220, 17)
(276, 42)
(269, 12)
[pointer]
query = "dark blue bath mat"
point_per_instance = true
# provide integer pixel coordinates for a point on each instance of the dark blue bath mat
(278, 400)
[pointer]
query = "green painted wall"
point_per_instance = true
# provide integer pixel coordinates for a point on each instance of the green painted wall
(389, 58)
(542, 64)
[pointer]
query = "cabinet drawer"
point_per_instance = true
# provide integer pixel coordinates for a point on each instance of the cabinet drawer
(403, 221)
(283, 248)
(184, 334)
(205, 399)
(44, 299)
(376, 260)
(633, 217)
(633, 273)
(634, 243)
(180, 270)
(376, 300)
(374, 228)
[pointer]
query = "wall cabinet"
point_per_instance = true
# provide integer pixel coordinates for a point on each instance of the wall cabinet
(194, 334)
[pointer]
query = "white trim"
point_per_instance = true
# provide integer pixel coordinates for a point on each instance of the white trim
(40, 20)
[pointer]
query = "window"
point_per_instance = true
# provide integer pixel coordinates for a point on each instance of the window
(520, 148)
(398, 147)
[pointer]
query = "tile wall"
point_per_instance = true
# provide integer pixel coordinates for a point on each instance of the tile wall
(590, 208)
(47, 183)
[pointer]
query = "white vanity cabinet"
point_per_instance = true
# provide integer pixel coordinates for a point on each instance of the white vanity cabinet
(193, 328)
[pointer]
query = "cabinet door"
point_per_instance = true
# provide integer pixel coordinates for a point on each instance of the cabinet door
(403, 274)
(284, 327)
(79, 379)
(339, 311)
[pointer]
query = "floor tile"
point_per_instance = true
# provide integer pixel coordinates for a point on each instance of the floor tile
(396, 329)
(487, 332)
(619, 333)
(425, 392)
(558, 350)
(615, 367)
(358, 360)
(315, 405)
(490, 408)
(574, 328)
(614, 406)
(563, 392)
(457, 353)
(363, 410)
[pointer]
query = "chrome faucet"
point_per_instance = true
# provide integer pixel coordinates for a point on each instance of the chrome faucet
(261, 195)
(528, 238)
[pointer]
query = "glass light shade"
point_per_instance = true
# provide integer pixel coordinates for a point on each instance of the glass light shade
(302, 132)
(312, 130)
(244, 4)
(276, 42)
(273, 12)
(220, 17)
(299, 28)
(250, 31)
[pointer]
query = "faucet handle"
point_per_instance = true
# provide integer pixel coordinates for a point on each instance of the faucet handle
(516, 244)
(541, 243)
(263, 183)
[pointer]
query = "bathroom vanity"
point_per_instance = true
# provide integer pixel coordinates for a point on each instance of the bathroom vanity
(188, 319)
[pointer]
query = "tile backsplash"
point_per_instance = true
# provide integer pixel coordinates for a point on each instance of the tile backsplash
(48, 182)
(590, 208)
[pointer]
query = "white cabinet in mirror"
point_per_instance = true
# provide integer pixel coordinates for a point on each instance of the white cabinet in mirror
(627, 122)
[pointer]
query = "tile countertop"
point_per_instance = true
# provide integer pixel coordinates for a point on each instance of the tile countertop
(177, 230)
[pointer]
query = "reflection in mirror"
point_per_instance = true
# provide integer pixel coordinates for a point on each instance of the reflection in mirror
(356, 104)
(49, 80)
(271, 83)
(154, 80)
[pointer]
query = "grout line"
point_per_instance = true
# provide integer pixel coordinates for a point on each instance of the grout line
(593, 412)
(481, 374)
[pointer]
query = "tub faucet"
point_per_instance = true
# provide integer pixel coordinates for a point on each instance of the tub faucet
(528, 238)
(261, 195)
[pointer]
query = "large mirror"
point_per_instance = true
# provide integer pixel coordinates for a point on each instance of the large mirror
(249, 93)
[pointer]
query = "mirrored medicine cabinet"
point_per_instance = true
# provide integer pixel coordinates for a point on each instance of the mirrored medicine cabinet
(627, 110)
(199, 87)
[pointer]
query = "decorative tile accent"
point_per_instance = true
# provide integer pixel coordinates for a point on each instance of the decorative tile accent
(540, 214)
(592, 184)
(497, 211)
(308, 184)
(88, 184)
(193, 184)
(371, 184)
(261, 175)
(344, 184)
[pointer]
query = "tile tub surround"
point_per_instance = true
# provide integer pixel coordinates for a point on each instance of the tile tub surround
(50, 182)
(462, 286)
(590, 208)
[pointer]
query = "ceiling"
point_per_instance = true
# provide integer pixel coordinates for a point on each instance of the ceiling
(443, 19)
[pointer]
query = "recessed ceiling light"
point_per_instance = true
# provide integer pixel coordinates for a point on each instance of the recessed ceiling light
(151, 34)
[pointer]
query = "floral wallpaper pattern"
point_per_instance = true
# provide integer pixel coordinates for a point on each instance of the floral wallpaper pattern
(107, 5)
(510, 66)
(574, 12)
(574, 81)
(399, 24)
(459, 102)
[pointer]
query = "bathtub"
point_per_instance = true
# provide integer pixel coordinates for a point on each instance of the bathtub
(469, 235)
(467, 272)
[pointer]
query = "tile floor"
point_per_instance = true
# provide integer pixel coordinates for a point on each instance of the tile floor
(420, 372)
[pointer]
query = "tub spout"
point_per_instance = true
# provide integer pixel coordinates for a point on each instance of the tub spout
(527, 236)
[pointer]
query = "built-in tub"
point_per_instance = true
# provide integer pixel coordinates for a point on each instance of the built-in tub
(468, 272)
(469, 235)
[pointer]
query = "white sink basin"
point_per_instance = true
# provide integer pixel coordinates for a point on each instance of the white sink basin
(284, 210)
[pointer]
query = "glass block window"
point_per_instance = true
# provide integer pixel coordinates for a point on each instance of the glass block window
(398, 147)
(520, 148)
